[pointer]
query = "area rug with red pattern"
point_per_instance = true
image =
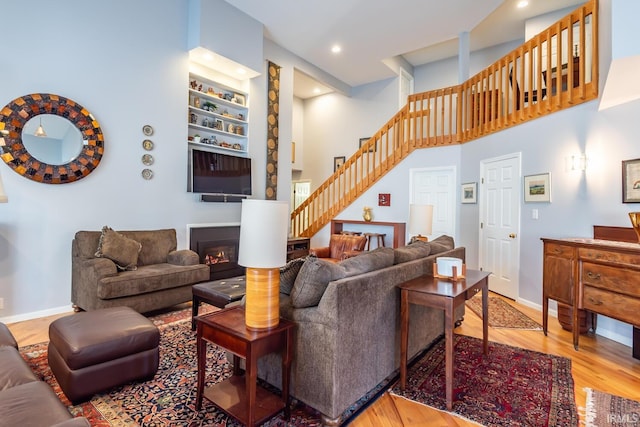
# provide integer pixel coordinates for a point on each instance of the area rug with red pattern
(608, 410)
(502, 314)
(169, 398)
(508, 387)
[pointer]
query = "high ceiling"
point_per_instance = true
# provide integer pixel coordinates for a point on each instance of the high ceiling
(370, 31)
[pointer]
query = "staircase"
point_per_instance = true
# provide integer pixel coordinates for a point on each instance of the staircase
(555, 70)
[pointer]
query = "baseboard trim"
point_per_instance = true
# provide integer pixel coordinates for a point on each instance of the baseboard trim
(37, 314)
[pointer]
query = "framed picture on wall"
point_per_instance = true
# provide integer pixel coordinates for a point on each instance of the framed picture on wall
(631, 181)
(363, 141)
(468, 192)
(537, 188)
(338, 162)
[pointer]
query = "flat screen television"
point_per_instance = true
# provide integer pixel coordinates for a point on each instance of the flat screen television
(218, 173)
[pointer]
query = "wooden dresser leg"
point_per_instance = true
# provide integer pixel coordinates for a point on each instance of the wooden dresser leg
(329, 422)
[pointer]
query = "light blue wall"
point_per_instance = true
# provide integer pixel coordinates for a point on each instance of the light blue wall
(127, 63)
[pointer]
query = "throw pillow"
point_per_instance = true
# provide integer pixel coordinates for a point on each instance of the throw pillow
(122, 250)
(441, 244)
(289, 273)
(415, 250)
(368, 261)
(313, 278)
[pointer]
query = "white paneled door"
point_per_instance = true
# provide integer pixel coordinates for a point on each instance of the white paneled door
(437, 187)
(500, 223)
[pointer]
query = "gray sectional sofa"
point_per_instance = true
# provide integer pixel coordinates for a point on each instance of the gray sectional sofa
(139, 269)
(24, 399)
(348, 317)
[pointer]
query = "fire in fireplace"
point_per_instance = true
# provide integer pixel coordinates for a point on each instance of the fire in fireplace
(217, 247)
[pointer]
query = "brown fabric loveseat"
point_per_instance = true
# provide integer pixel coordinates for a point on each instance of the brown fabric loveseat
(348, 316)
(24, 399)
(139, 269)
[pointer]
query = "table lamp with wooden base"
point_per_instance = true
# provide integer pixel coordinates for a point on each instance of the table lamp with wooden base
(420, 221)
(262, 250)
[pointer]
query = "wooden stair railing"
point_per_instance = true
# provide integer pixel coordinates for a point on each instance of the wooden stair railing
(554, 70)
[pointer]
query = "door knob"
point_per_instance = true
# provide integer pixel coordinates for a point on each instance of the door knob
(512, 235)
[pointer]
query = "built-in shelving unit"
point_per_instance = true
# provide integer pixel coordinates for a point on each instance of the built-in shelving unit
(218, 115)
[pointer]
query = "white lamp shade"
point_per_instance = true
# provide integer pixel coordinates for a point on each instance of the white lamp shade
(420, 219)
(3, 195)
(264, 228)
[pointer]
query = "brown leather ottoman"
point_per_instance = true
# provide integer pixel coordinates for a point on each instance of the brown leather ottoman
(218, 293)
(92, 351)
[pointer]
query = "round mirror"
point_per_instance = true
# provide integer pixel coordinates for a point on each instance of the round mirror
(52, 139)
(63, 121)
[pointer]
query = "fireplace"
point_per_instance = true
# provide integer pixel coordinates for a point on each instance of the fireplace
(217, 247)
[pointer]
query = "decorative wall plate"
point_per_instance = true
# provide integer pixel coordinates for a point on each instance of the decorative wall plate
(147, 173)
(147, 130)
(147, 144)
(147, 159)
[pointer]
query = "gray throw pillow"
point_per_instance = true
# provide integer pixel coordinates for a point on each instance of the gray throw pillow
(122, 250)
(368, 261)
(441, 244)
(415, 250)
(289, 273)
(313, 278)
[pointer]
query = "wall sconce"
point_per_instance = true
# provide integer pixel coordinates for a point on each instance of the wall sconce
(264, 228)
(577, 162)
(420, 221)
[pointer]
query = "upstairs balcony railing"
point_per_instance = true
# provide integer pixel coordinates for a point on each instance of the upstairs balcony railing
(554, 70)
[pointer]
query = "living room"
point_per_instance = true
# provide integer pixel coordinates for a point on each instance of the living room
(126, 89)
(128, 64)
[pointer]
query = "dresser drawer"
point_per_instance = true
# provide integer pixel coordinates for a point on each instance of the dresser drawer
(555, 249)
(589, 254)
(612, 304)
(620, 280)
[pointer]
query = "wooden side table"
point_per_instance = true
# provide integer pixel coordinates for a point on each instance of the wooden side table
(446, 295)
(242, 398)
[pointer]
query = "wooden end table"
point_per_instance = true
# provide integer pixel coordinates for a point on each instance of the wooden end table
(446, 295)
(244, 399)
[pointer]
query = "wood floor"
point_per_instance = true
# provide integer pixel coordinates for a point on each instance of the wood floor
(600, 364)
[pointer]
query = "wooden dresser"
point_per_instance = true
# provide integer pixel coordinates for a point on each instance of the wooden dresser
(600, 276)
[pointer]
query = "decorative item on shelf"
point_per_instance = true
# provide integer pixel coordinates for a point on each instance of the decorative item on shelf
(210, 91)
(205, 122)
(367, 214)
(209, 106)
(218, 124)
(237, 146)
(213, 140)
(262, 250)
(193, 118)
(193, 84)
(231, 128)
(449, 268)
(635, 222)
(239, 130)
(420, 221)
(196, 102)
(196, 138)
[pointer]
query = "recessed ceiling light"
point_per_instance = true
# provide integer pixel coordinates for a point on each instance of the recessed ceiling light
(336, 49)
(523, 3)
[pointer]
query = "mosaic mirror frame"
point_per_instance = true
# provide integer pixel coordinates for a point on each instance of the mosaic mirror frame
(19, 111)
